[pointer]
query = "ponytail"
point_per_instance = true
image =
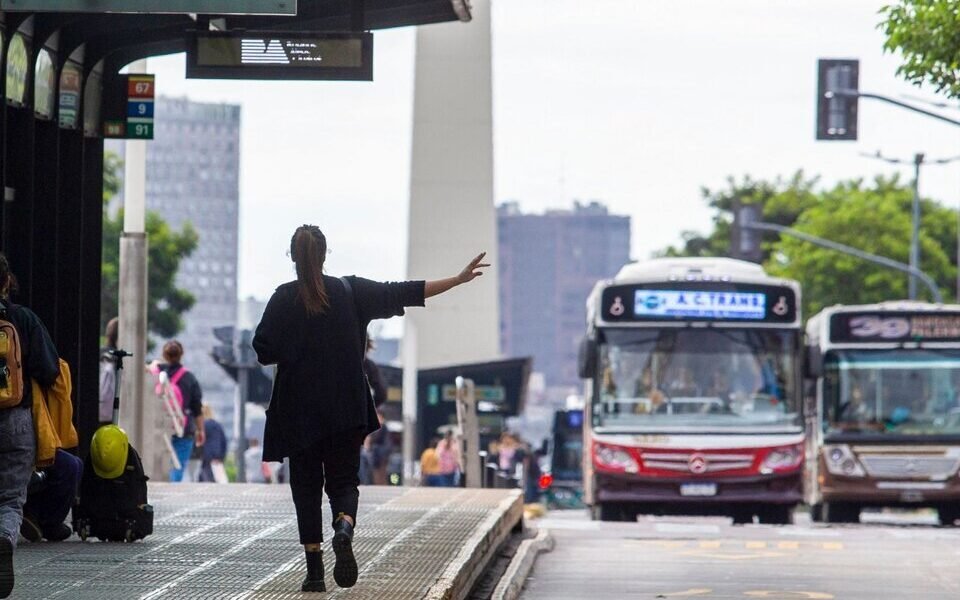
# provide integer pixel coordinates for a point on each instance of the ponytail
(308, 248)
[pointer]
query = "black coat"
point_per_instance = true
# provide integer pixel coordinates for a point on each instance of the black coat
(320, 389)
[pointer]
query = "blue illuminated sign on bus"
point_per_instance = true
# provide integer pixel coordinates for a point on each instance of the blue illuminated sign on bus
(712, 304)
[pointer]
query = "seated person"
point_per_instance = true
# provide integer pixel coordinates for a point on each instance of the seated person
(684, 385)
(646, 389)
(51, 494)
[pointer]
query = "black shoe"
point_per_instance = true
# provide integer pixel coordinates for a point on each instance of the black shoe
(30, 530)
(313, 582)
(6, 567)
(58, 533)
(345, 569)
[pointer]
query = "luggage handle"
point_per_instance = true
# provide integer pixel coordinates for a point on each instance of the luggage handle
(117, 355)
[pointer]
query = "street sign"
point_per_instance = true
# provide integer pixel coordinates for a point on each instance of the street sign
(203, 7)
(138, 117)
(281, 55)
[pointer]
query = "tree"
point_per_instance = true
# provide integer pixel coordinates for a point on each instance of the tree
(166, 303)
(783, 200)
(927, 35)
(875, 218)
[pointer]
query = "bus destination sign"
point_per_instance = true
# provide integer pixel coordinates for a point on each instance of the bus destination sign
(281, 56)
(699, 301)
(203, 7)
(872, 327)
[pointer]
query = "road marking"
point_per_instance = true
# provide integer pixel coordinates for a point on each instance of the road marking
(686, 593)
(756, 545)
(710, 544)
(833, 546)
(723, 555)
(788, 545)
(788, 594)
(685, 528)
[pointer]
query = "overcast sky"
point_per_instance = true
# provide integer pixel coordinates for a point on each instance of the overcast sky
(637, 104)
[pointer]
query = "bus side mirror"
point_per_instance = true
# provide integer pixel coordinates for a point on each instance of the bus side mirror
(813, 363)
(587, 358)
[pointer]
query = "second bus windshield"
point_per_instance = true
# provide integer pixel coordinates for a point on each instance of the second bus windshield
(653, 378)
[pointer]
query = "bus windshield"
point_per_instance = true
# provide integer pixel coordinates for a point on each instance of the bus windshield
(905, 392)
(697, 379)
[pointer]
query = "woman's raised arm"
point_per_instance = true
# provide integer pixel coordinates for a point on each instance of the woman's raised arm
(469, 273)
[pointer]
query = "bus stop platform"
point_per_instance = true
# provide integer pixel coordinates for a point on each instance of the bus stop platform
(239, 541)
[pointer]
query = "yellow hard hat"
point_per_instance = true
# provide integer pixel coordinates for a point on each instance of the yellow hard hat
(108, 451)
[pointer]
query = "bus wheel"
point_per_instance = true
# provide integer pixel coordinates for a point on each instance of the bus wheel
(606, 512)
(816, 513)
(841, 512)
(776, 514)
(949, 514)
(742, 516)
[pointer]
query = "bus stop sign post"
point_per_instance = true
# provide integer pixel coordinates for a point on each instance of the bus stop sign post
(136, 123)
(201, 7)
(469, 431)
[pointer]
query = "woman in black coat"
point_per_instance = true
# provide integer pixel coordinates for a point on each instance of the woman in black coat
(321, 410)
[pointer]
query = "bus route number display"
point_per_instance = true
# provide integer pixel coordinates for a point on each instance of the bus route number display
(699, 302)
(137, 124)
(894, 327)
(281, 56)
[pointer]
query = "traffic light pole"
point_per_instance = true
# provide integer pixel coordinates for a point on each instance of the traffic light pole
(874, 258)
(916, 109)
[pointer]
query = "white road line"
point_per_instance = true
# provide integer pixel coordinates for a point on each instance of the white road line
(206, 565)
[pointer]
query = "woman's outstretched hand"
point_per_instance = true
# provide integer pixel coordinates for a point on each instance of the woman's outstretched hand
(468, 274)
(474, 269)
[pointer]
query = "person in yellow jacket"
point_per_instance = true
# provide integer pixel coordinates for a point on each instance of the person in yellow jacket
(53, 487)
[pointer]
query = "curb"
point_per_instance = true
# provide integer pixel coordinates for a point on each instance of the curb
(511, 584)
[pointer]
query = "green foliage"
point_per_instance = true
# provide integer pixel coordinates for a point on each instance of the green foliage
(926, 33)
(874, 217)
(783, 200)
(167, 247)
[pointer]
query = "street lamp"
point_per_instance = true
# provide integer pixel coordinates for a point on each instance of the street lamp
(919, 159)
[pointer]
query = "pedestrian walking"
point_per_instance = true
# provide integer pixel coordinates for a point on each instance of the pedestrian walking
(187, 390)
(214, 448)
(448, 458)
(321, 410)
(27, 354)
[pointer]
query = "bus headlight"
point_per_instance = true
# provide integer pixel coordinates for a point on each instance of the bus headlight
(612, 457)
(841, 461)
(781, 459)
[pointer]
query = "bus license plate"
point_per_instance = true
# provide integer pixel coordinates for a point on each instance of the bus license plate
(698, 489)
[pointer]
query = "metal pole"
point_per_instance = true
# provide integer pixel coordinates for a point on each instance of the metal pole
(855, 94)
(243, 389)
(880, 260)
(915, 236)
(469, 432)
(409, 401)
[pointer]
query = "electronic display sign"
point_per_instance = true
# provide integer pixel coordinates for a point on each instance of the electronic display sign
(281, 56)
(874, 327)
(699, 301)
(203, 7)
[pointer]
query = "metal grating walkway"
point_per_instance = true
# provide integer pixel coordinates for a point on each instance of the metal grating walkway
(239, 541)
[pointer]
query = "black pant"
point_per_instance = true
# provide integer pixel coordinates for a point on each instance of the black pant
(336, 462)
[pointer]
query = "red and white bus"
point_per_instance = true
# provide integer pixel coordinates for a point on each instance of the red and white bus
(693, 388)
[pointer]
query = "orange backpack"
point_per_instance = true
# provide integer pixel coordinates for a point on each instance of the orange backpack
(11, 362)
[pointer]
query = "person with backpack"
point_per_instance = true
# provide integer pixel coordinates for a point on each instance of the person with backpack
(188, 395)
(321, 409)
(26, 354)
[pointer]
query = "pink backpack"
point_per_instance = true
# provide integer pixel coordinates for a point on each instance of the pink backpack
(175, 386)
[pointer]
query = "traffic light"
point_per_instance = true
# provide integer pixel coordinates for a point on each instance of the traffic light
(745, 243)
(224, 352)
(837, 99)
(235, 351)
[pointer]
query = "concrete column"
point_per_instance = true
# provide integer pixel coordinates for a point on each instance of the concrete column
(452, 214)
(138, 414)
